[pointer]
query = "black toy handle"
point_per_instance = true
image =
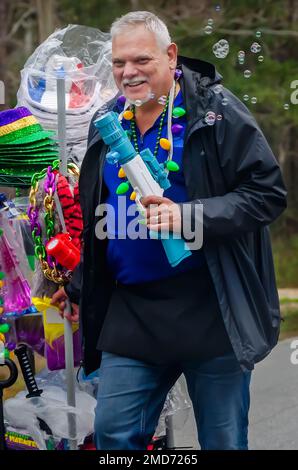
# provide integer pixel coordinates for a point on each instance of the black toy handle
(22, 354)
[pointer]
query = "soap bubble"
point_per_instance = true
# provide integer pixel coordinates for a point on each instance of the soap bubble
(219, 117)
(241, 57)
(218, 89)
(261, 58)
(221, 49)
(286, 106)
(208, 29)
(255, 47)
(162, 99)
(225, 101)
(254, 99)
(245, 97)
(210, 118)
(217, 8)
(258, 34)
(210, 22)
(247, 73)
(138, 102)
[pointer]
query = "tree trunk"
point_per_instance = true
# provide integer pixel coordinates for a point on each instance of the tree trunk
(45, 16)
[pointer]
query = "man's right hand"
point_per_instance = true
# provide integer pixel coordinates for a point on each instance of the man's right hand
(59, 300)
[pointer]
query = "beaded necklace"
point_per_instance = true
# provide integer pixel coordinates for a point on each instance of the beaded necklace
(158, 143)
(47, 263)
(166, 144)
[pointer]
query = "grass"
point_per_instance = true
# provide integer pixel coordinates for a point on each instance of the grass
(285, 252)
(289, 311)
(284, 301)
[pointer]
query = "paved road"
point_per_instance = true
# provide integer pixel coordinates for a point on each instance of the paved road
(274, 401)
(274, 405)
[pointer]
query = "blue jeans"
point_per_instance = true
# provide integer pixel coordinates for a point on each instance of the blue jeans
(131, 395)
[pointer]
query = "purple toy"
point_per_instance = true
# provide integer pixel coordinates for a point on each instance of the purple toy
(16, 290)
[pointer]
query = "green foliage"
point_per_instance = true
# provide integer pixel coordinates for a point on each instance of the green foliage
(285, 252)
(289, 325)
(99, 14)
(271, 79)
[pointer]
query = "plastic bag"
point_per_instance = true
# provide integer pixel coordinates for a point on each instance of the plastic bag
(177, 404)
(83, 55)
(22, 412)
(15, 292)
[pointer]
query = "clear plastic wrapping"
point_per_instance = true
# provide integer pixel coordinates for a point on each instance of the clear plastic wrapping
(83, 55)
(177, 404)
(23, 413)
(15, 292)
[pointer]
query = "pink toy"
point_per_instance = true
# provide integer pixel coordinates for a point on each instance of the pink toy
(15, 292)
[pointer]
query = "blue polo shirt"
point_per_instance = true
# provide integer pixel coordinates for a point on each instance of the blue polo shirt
(142, 259)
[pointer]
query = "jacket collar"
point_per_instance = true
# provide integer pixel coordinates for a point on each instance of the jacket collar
(197, 79)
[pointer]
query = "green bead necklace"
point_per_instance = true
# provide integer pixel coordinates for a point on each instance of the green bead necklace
(164, 143)
(134, 132)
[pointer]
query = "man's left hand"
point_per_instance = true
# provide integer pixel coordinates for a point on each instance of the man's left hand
(162, 214)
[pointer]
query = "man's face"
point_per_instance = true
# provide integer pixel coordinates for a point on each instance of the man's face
(140, 66)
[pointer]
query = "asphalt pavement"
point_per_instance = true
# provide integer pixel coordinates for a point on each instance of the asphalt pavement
(274, 405)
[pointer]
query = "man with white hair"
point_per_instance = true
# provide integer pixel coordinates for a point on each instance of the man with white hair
(214, 315)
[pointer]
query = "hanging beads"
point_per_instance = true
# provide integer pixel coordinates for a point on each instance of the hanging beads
(172, 166)
(121, 101)
(178, 73)
(128, 115)
(178, 112)
(122, 188)
(134, 133)
(177, 129)
(165, 144)
(121, 173)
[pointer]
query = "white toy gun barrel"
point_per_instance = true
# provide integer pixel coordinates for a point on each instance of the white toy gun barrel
(144, 173)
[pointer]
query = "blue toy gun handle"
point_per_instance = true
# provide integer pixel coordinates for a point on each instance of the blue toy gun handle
(176, 250)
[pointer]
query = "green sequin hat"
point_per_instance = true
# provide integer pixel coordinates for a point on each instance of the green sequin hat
(18, 126)
(24, 147)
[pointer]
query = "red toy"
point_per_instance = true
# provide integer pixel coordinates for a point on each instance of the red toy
(64, 251)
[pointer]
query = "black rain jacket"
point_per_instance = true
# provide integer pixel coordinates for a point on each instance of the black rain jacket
(228, 167)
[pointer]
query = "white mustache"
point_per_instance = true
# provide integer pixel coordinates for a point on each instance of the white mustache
(132, 81)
